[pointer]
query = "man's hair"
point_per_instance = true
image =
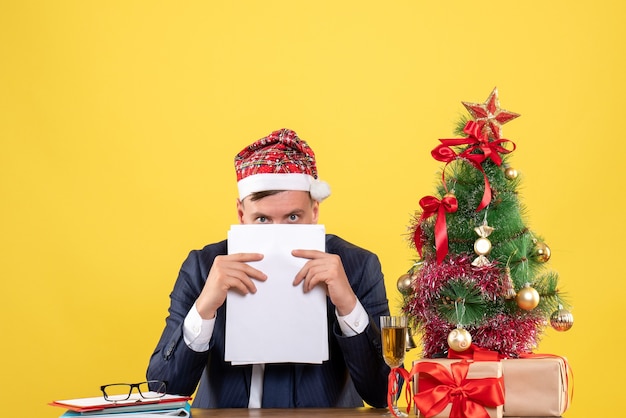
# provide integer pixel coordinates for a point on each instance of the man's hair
(260, 195)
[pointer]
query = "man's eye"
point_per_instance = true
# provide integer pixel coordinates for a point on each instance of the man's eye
(261, 219)
(293, 218)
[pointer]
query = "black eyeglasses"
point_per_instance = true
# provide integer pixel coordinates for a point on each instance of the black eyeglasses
(151, 389)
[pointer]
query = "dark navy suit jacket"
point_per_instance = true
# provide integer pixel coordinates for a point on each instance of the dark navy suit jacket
(354, 372)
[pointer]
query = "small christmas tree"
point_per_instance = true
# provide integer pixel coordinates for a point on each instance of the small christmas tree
(481, 276)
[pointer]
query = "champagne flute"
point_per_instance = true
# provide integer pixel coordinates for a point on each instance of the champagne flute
(393, 334)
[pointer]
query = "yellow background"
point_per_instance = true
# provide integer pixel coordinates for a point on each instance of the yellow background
(119, 121)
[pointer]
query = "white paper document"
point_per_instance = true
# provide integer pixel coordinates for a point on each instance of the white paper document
(279, 323)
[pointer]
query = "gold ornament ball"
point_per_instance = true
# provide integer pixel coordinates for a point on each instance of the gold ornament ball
(562, 320)
(527, 298)
(510, 173)
(459, 339)
(541, 252)
(404, 284)
(482, 246)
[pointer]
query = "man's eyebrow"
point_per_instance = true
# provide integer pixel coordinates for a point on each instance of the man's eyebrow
(263, 215)
(259, 215)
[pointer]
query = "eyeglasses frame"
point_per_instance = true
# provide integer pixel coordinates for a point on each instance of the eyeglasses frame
(130, 390)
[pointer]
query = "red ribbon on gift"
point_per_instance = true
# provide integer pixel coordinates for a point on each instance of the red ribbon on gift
(430, 206)
(475, 353)
(478, 142)
(393, 387)
(468, 397)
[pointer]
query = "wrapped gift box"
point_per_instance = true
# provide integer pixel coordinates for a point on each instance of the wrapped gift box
(484, 374)
(535, 386)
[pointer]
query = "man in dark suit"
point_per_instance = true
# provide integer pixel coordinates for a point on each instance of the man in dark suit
(277, 183)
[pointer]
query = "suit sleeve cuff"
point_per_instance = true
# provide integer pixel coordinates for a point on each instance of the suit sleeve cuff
(197, 332)
(355, 322)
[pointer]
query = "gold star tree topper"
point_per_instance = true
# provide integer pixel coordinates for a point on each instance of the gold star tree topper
(489, 115)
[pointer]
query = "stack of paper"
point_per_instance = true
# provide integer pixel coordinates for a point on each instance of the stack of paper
(135, 407)
(279, 323)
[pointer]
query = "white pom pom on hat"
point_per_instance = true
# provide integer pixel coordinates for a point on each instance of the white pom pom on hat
(319, 190)
(279, 161)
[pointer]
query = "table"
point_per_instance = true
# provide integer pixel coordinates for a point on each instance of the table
(287, 412)
(294, 413)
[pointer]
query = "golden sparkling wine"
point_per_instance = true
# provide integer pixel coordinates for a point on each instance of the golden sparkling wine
(394, 345)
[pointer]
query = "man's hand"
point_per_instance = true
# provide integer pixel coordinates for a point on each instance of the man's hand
(326, 270)
(228, 272)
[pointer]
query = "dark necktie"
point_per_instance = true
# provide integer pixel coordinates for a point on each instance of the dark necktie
(278, 382)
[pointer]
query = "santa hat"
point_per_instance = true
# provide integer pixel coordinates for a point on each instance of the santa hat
(280, 161)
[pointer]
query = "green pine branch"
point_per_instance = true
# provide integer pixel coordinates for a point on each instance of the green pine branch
(462, 303)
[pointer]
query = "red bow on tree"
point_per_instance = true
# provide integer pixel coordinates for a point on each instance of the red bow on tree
(480, 149)
(430, 206)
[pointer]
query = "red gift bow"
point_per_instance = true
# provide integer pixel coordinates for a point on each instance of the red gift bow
(479, 142)
(469, 397)
(430, 206)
